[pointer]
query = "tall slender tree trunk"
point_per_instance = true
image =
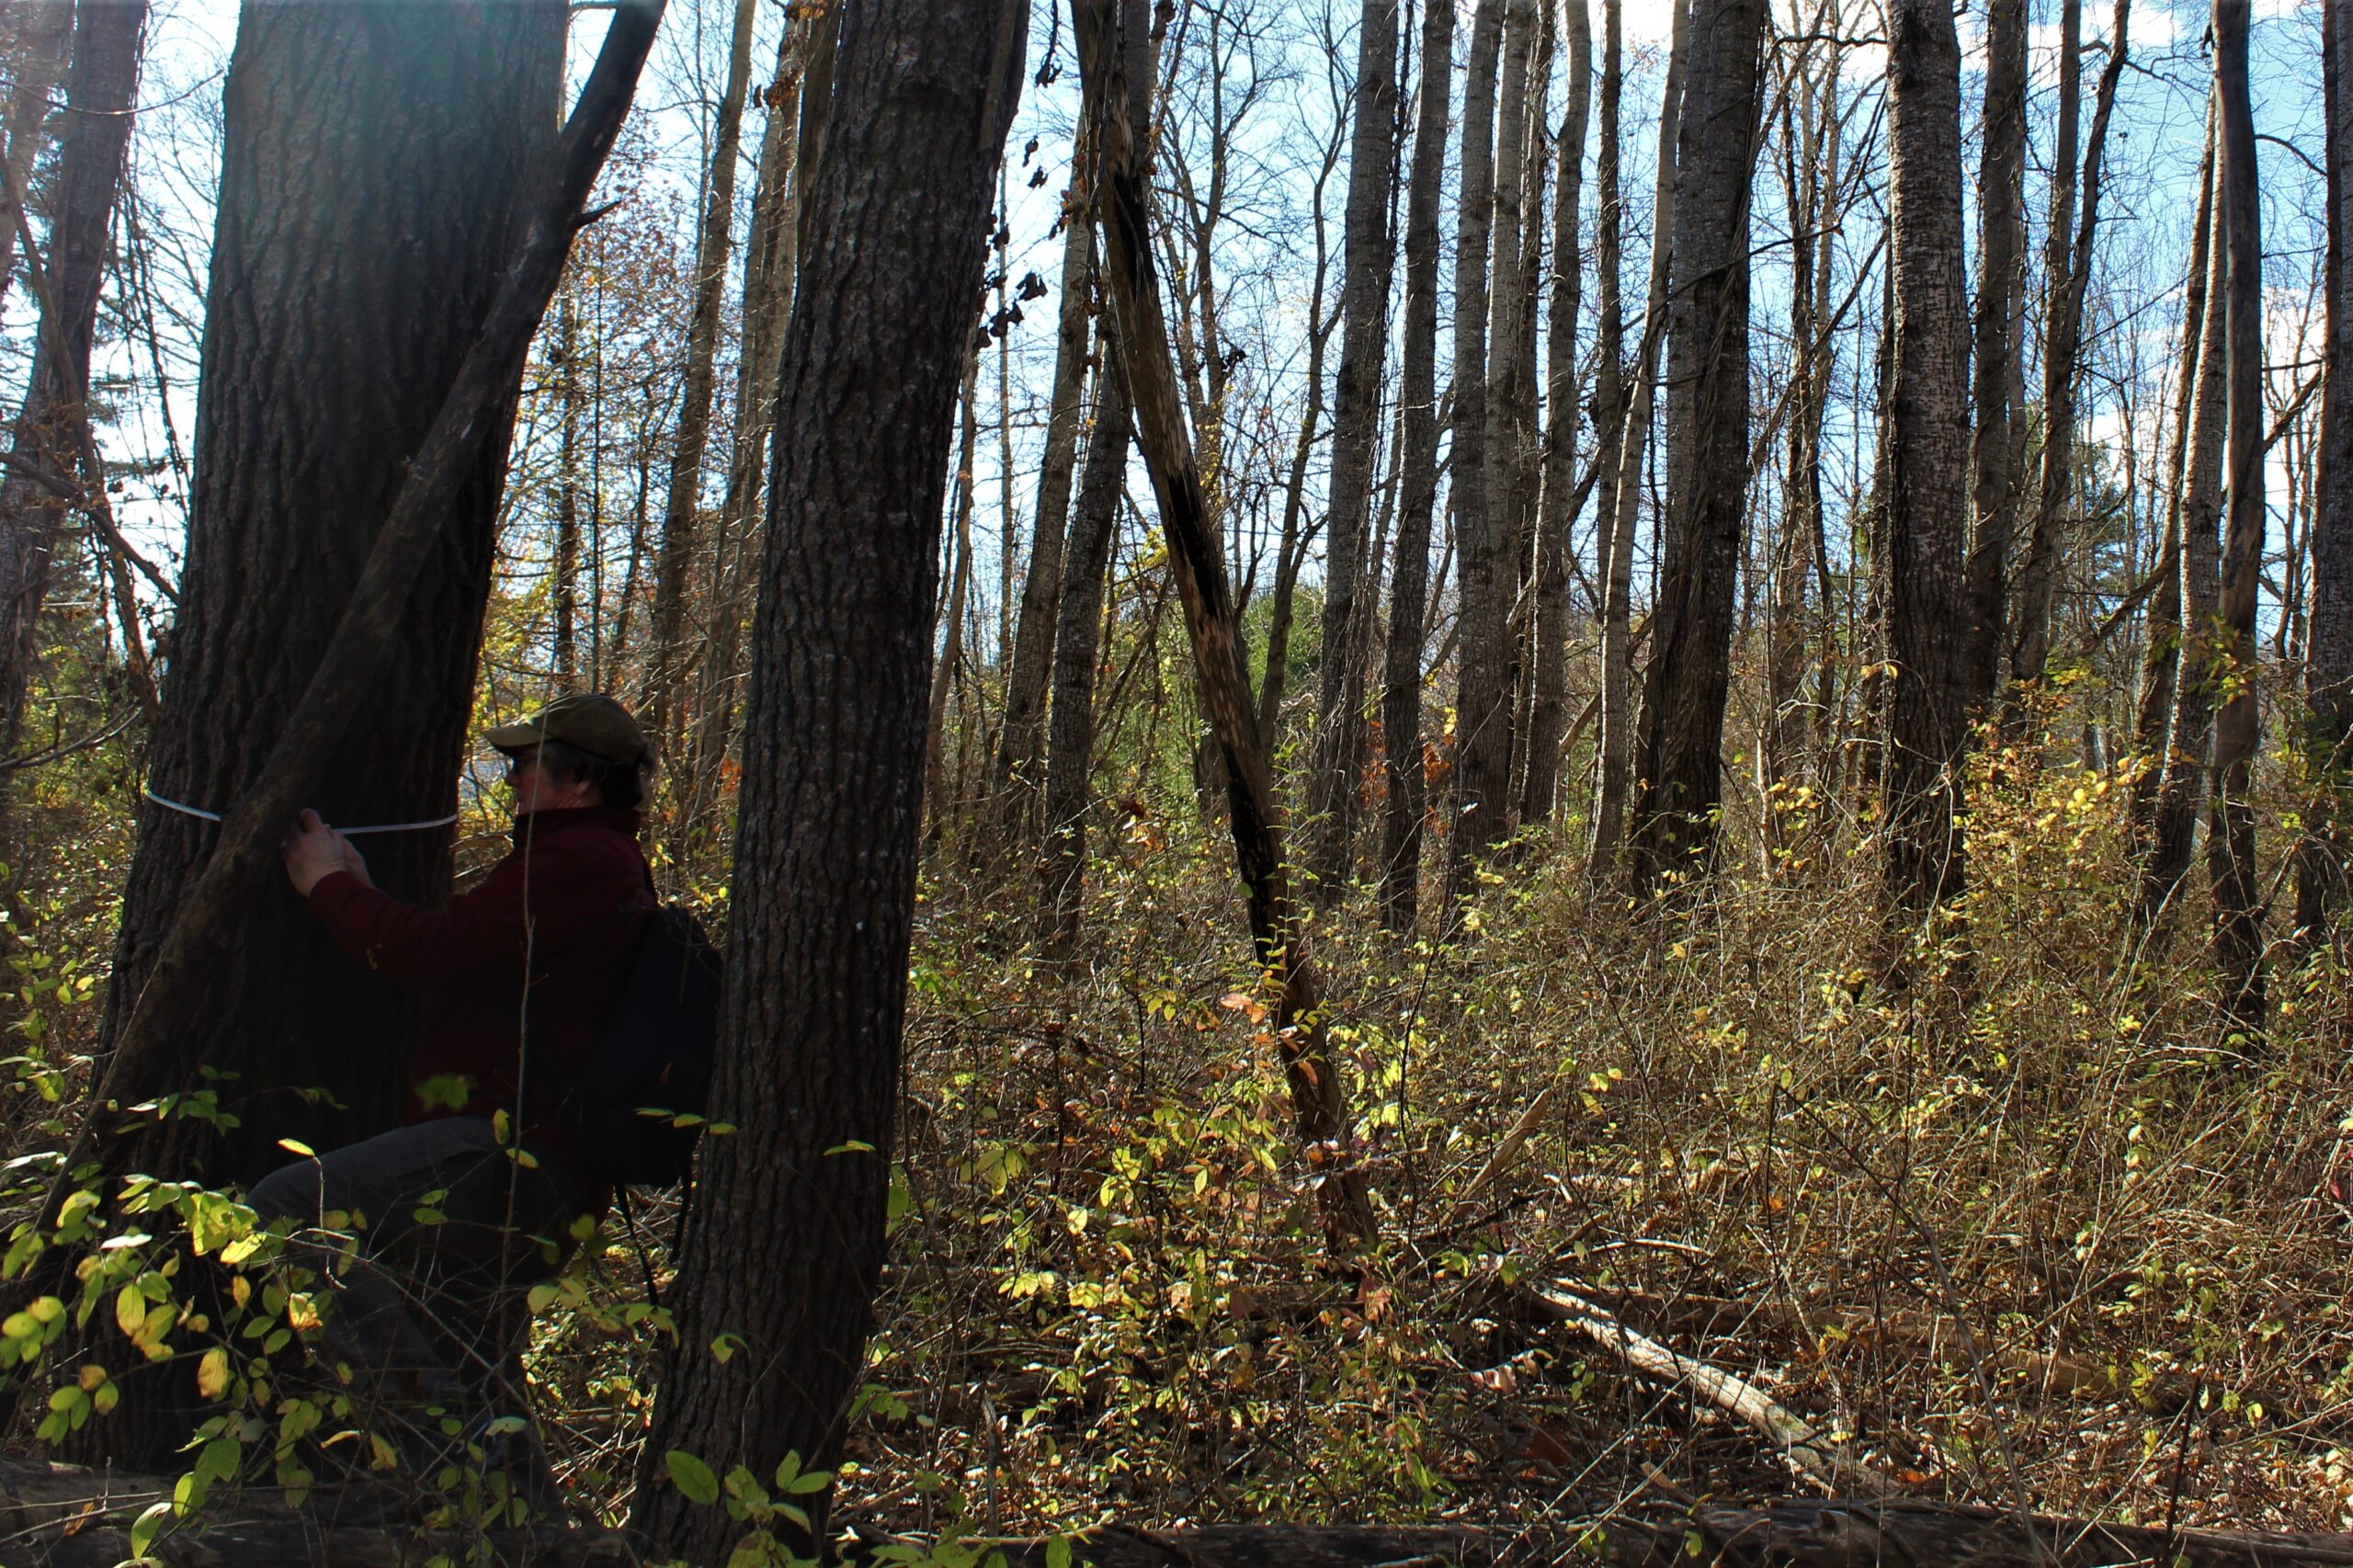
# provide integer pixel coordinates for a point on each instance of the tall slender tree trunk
(2162, 642)
(1070, 740)
(1672, 826)
(52, 427)
(1319, 1098)
(1018, 775)
(1614, 774)
(370, 182)
(1401, 701)
(1482, 714)
(939, 804)
(1999, 330)
(566, 588)
(2181, 783)
(1549, 674)
(682, 504)
(2068, 270)
(1928, 459)
(1292, 538)
(1519, 463)
(1355, 426)
(2327, 844)
(2230, 834)
(789, 1241)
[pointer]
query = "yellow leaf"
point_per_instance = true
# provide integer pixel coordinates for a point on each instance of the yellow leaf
(296, 1146)
(212, 1373)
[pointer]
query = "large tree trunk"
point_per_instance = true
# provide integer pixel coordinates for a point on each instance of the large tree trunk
(1999, 332)
(1672, 821)
(1482, 710)
(2321, 857)
(1928, 457)
(352, 360)
(1549, 672)
(1017, 780)
(1621, 496)
(1319, 1096)
(1355, 425)
(53, 427)
(682, 504)
(2230, 830)
(789, 1240)
(1401, 674)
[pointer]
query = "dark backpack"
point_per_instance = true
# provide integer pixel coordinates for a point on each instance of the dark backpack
(636, 1102)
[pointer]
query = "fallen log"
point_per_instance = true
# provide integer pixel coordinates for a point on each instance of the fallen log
(58, 1517)
(1804, 1446)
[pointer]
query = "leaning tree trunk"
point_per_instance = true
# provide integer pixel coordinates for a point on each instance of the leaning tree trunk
(788, 1242)
(1680, 771)
(52, 427)
(2181, 782)
(2162, 636)
(2230, 832)
(1928, 459)
(1613, 774)
(38, 47)
(1999, 334)
(1482, 713)
(1321, 1118)
(2321, 857)
(1548, 707)
(370, 178)
(1401, 674)
(1356, 423)
(682, 504)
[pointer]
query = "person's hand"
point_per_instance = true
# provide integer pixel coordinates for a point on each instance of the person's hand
(313, 851)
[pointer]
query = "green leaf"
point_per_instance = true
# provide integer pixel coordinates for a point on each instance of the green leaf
(691, 1476)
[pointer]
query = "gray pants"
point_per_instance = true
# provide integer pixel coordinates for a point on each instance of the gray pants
(431, 1308)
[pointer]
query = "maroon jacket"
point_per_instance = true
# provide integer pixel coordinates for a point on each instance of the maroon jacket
(555, 923)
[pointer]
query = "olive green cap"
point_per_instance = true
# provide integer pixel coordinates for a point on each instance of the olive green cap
(589, 720)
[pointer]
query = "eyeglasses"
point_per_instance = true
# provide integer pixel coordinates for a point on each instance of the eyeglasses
(518, 761)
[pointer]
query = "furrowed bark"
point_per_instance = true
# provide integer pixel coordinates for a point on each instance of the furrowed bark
(1999, 331)
(2322, 856)
(789, 1241)
(1355, 425)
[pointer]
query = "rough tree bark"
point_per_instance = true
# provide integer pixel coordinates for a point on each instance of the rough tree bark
(1319, 1098)
(1511, 394)
(52, 427)
(1672, 825)
(1928, 459)
(1401, 696)
(1481, 712)
(682, 503)
(1548, 674)
(1622, 496)
(2230, 833)
(1999, 329)
(2322, 856)
(789, 1240)
(1356, 423)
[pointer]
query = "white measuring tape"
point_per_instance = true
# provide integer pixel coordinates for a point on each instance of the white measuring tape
(346, 831)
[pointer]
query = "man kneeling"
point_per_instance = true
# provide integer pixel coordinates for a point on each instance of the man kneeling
(482, 1194)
